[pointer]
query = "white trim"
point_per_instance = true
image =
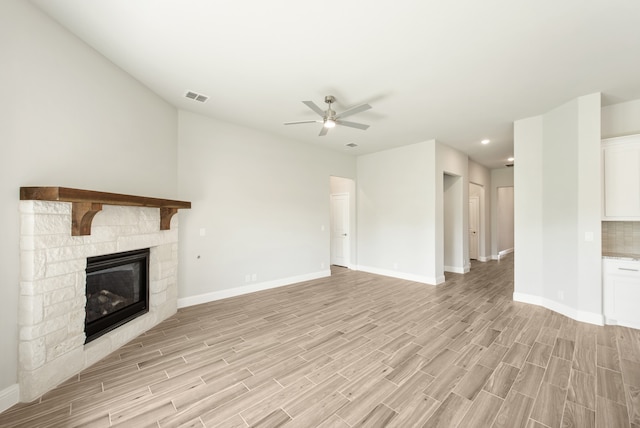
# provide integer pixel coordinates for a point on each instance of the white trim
(484, 259)
(9, 397)
(456, 269)
(238, 291)
(501, 253)
(623, 323)
(582, 316)
(403, 275)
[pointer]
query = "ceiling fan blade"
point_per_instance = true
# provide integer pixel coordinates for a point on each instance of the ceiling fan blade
(352, 124)
(353, 110)
(303, 121)
(323, 132)
(313, 106)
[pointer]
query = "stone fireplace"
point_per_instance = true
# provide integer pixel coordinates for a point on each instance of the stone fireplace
(52, 310)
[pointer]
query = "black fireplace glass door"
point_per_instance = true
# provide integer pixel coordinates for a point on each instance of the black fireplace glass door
(117, 290)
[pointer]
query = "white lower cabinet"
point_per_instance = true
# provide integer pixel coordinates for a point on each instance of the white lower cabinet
(621, 285)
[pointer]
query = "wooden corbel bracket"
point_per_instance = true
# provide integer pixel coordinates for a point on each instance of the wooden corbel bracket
(165, 217)
(82, 214)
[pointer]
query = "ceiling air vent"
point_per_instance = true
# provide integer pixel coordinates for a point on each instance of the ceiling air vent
(196, 97)
(352, 145)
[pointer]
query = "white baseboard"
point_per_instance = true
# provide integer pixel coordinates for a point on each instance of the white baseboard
(484, 259)
(622, 323)
(582, 316)
(402, 275)
(456, 269)
(9, 397)
(238, 291)
(501, 254)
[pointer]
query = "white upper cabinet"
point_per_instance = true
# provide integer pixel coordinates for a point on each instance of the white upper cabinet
(621, 178)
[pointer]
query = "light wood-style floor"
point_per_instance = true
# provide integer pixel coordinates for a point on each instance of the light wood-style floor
(358, 349)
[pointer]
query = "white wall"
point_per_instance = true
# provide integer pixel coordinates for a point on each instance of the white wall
(263, 204)
(505, 219)
(560, 203)
(481, 176)
(401, 211)
(558, 168)
(396, 213)
(451, 162)
(453, 207)
(68, 117)
(589, 296)
(528, 206)
(501, 177)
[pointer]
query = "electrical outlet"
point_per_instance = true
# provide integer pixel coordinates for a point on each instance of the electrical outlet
(254, 277)
(247, 278)
(395, 265)
(560, 294)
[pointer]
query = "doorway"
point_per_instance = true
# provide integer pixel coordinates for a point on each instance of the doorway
(342, 218)
(453, 224)
(477, 223)
(505, 221)
(340, 236)
(474, 227)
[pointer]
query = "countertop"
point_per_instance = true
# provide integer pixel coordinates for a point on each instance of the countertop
(621, 256)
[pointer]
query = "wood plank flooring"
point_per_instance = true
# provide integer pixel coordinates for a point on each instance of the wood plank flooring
(360, 350)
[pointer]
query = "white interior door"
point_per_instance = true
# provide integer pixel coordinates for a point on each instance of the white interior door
(340, 239)
(474, 225)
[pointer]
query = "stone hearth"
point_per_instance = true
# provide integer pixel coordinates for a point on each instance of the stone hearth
(52, 288)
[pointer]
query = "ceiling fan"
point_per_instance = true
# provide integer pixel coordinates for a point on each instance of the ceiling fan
(330, 118)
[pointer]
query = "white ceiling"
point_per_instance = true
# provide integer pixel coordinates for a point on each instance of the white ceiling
(458, 71)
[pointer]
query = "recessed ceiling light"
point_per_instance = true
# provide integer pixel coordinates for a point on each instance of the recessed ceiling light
(485, 141)
(511, 159)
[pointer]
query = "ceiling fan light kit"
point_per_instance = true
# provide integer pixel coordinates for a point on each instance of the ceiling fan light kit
(329, 117)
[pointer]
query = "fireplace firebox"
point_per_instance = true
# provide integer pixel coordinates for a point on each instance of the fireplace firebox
(117, 291)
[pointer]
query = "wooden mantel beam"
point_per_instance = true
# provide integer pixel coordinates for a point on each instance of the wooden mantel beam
(87, 203)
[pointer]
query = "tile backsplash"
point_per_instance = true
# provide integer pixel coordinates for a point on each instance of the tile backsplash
(621, 237)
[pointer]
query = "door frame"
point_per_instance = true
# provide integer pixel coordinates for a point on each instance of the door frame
(484, 255)
(339, 184)
(347, 243)
(478, 227)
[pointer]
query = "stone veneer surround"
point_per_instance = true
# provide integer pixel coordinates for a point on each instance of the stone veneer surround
(52, 287)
